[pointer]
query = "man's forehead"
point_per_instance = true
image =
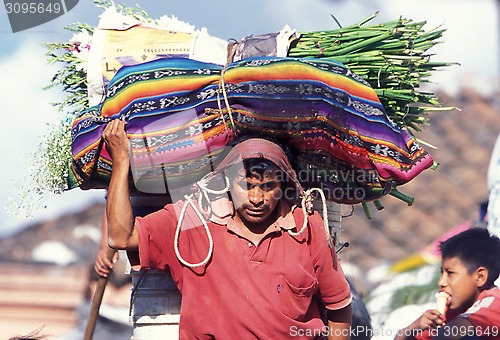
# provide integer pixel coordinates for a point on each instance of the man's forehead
(265, 176)
(262, 179)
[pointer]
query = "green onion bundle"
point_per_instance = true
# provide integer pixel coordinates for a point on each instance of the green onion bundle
(392, 57)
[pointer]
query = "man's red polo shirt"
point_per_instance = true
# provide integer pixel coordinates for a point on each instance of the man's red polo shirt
(246, 291)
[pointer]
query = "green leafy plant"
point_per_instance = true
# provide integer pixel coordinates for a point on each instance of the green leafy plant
(415, 294)
(50, 162)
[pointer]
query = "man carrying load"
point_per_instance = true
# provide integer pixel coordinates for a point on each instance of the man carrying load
(250, 264)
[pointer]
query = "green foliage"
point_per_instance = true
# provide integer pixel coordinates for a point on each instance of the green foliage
(415, 294)
(136, 13)
(51, 159)
(49, 166)
(71, 76)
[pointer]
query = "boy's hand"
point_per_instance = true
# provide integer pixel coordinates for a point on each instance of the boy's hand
(431, 319)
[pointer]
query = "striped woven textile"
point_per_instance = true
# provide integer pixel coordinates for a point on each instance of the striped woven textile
(180, 125)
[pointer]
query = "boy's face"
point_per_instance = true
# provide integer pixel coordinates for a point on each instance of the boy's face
(461, 285)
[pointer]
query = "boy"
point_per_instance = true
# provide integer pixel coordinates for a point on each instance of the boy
(470, 265)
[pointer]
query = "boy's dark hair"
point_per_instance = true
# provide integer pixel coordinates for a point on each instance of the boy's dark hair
(475, 248)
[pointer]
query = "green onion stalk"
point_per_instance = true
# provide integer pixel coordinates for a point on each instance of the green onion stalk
(392, 57)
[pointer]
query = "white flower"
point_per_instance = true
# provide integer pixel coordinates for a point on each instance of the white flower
(82, 43)
(112, 19)
(174, 24)
(82, 38)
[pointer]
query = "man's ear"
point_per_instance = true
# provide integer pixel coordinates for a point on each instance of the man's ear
(481, 276)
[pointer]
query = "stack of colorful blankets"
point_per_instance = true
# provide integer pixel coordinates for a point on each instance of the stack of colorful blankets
(183, 114)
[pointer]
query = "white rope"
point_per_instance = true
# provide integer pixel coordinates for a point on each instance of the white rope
(178, 231)
(206, 190)
(222, 88)
(208, 210)
(203, 185)
(305, 211)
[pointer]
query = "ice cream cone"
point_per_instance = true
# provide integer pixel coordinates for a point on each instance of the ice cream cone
(441, 299)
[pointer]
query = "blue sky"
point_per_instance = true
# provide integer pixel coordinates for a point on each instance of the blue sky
(471, 39)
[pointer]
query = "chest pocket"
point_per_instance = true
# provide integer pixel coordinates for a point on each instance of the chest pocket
(298, 283)
(295, 301)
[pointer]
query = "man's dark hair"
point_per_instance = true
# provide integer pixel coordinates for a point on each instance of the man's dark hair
(475, 248)
(261, 167)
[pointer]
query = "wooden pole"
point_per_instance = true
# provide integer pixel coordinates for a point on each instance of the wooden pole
(96, 300)
(335, 221)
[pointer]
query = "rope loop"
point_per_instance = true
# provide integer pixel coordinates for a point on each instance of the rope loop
(222, 89)
(190, 202)
(202, 193)
(204, 190)
(307, 209)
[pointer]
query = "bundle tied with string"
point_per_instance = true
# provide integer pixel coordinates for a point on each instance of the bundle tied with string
(391, 57)
(182, 114)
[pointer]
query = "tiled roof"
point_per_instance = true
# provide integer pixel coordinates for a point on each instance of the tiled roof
(444, 197)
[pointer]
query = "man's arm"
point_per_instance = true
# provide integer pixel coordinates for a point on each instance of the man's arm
(103, 264)
(121, 233)
(339, 323)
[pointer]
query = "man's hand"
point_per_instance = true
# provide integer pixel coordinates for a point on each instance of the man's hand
(102, 264)
(116, 140)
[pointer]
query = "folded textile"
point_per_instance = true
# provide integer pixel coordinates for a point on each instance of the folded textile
(182, 115)
(120, 40)
(274, 44)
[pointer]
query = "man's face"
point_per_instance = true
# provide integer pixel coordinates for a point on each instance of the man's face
(458, 283)
(255, 197)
